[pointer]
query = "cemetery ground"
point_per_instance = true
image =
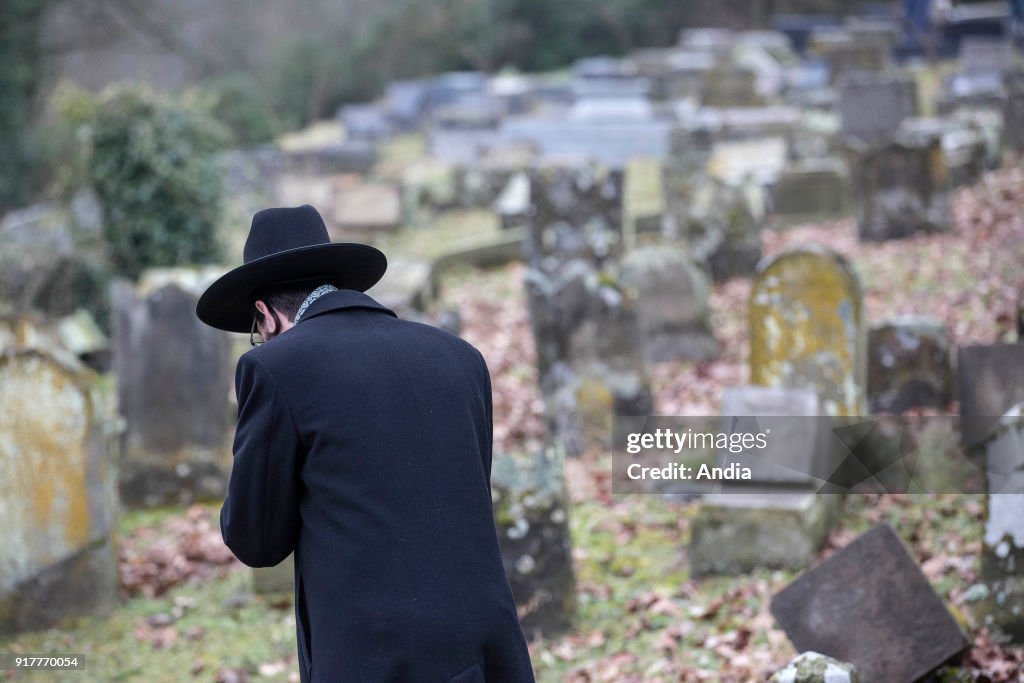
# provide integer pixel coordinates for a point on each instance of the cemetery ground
(188, 612)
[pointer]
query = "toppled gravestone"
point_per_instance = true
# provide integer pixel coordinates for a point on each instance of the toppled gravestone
(1002, 553)
(672, 297)
(814, 667)
(901, 187)
(57, 496)
(869, 604)
(590, 352)
(174, 386)
(909, 365)
(531, 514)
(806, 328)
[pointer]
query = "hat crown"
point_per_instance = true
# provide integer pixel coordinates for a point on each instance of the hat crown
(280, 229)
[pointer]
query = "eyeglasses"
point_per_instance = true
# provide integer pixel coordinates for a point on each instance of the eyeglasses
(254, 339)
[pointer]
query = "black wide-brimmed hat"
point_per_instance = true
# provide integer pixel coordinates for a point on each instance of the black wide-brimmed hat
(287, 246)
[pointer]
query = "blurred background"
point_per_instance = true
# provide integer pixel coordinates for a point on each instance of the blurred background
(632, 208)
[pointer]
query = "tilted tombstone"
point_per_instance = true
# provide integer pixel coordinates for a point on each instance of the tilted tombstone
(902, 187)
(672, 294)
(869, 604)
(531, 512)
(57, 493)
(990, 381)
(1002, 551)
(174, 388)
(872, 106)
(590, 352)
(909, 365)
(775, 519)
(806, 328)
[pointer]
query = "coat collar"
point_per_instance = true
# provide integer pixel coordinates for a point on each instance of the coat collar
(343, 298)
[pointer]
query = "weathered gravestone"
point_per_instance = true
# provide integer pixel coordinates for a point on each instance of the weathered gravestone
(811, 190)
(720, 223)
(1013, 112)
(57, 495)
(990, 381)
(909, 365)
(775, 519)
(849, 53)
(362, 209)
(1002, 553)
(901, 187)
(871, 106)
(806, 328)
(814, 667)
(590, 352)
(531, 513)
(672, 297)
(174, 387)
(869, 604)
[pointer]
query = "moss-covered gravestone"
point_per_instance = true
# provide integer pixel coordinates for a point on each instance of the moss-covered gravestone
(57, 495)
(590, 351)
(806, 328)
(531, 511)
(174, 379)
(1002, 554)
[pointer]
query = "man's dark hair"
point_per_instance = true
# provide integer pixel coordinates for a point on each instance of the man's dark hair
(284, 299)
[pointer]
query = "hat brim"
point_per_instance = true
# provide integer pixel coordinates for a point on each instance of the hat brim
(226, 304)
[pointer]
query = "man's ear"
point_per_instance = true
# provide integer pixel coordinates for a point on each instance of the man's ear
(270, 323)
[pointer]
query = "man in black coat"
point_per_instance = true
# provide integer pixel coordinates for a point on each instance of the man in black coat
(363, 446)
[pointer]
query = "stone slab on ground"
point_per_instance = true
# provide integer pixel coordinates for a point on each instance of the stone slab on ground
(735, 533)
(869, 604)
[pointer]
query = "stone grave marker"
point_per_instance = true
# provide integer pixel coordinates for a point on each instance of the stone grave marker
(57, 493)
(776, 519)
(990, 381)
(672, 295)
(872, 105)
(531, 511)
(901, 188)
(869, 604)
(175, 381)
(985, 55)
(909, 365)
(1002, 553)
(364, 208)
(806, 328)
(811, 190)
(590, 352)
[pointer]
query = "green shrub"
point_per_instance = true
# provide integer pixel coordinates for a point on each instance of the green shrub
(241, 103)
(152, 166)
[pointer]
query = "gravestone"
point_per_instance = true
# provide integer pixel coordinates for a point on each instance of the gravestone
(366, 121)
(57, 495)
(361, 209)
(719, 223)
(531, 514)
(806, 328)
(990, 381)
(590, 352)
(776, 519)
(983, 54)
(1013, 112)
(869, 604)
(814, 667)
(849, 53)
(1002, 553)
(901, 188)
(811, 190)
(909, 365)
(672, 298)
(872, 106)
(175, 379)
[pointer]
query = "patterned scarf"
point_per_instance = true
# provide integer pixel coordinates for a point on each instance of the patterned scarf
(313, 296)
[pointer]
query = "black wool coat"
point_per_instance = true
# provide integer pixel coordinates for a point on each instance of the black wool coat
(364, 446)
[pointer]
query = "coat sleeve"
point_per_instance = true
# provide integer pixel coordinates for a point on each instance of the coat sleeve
(259, 520)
